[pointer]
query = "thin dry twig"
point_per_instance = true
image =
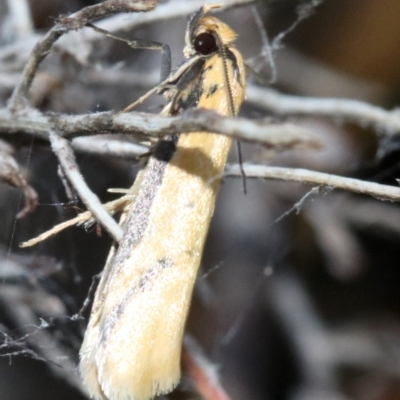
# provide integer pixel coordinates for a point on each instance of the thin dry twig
(381, 192)
(279, 136)
(349, 110)
(163, 12)
(18, 100)
(109, 147)
(202, 372)
(84, 218)
(105, 9)
(63, 150)
(282, 135)
(81, 218)
(10, 173)
(173, 9)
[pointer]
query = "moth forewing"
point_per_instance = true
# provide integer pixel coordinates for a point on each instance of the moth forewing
(132, 346)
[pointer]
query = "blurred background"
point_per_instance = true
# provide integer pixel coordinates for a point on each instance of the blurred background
(298, 296)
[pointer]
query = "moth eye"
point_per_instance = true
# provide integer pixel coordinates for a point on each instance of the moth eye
(205, 43)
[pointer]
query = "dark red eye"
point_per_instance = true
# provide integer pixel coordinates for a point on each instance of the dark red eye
(205, 44)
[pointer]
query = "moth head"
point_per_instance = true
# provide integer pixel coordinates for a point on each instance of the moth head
(205, 36)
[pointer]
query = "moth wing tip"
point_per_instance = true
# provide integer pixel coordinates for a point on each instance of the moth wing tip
(138, 391)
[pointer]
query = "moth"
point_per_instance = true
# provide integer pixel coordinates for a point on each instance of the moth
(132, 345)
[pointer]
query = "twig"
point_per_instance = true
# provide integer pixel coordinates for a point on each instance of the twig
(172, 9)
(153, 126)
(18, 99)
(202, 372)
(62, 149)
(164, 12)
(105, 9)
(381, 192)
(350, 110)
(263, 131)
(156, 125)
(82, 218)
(109, 147)
(11, 174)
(76, 21)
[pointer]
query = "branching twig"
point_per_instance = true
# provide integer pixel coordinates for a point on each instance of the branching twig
(67, 161)
(154, 126)
(18, 99)
(164, 12)
(116, 23)
(82, 218)
(283, 135)
(382, 192)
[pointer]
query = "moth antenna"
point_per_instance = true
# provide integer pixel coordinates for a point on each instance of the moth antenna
(240, 161)
(231, 107)
(228, 86)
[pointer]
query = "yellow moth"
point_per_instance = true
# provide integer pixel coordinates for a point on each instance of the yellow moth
(132, 346)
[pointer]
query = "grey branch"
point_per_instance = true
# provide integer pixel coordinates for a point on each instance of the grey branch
(381, 192)
(114, 24)
(76, 21)
(164, 12)
(67, 161)
(11, 173)
(349, 110)
(154, 126)
(109, 147)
